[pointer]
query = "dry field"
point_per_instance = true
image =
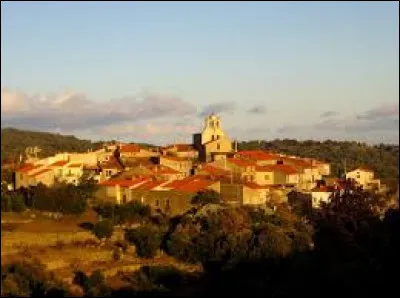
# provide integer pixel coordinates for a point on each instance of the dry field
(63, 246)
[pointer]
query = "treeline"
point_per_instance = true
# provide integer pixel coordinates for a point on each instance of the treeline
(383, 159)
(14, 142)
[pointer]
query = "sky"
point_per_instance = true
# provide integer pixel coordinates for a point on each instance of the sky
(151, 71)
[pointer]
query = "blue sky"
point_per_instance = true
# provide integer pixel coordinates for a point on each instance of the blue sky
(149, 71)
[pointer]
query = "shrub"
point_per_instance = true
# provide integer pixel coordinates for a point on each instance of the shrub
(120, 214)
(103, 229)
(29, 279)
(147, 240)
(12, 202)
(206, 197)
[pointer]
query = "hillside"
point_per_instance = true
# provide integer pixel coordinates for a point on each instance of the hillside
(14, 142)
(383, 159)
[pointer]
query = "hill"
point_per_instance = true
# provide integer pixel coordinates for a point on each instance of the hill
(383, 159)
(15, 141)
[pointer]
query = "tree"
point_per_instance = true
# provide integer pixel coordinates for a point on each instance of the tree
(29, 279)
(103, 229)
(147, 240)
(206, 197)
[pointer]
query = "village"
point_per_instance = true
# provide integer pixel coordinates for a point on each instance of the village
(167, 178)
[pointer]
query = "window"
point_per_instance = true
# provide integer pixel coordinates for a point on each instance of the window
(218, 146)
(167, 203)
(218, 137)
(157, 203)
(213, 137)
(266, 177)
(124, 199)
(358, 176)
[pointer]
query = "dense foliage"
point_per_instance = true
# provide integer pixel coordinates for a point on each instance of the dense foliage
(131, 212)
(147, 239)
(206, 197)
(29, 279)
(103, 229)
(383, 159)
(93, 285)
(14, 142)
(61, 197)
(11, 201)
(224, 237)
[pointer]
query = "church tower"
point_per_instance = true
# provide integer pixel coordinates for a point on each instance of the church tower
(212, 130)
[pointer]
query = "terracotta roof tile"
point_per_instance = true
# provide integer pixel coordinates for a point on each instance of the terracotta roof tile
(149, 185)
(241, 162)
(130, 148)
(59, 163)
(181, 147)
(161, 169)
(175, 158)
(258, 155)
(283, 168)
(28, 167)
(214, 170)
(194, 186)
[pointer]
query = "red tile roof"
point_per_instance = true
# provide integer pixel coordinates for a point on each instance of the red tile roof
(175, 158)
(161, 169)
(214, 170)
(40, 172)
(149, 185)
(181, 147)
(241, 162)
(28, 167)
(60, 163)
(283, 168)
(299, 162)
(129, 148)
(194, 186)
(111, 164)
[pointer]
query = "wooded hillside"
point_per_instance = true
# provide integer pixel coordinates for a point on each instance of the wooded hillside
(14, 142)
(383, 159)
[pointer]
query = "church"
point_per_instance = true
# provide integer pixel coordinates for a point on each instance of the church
(212, 143)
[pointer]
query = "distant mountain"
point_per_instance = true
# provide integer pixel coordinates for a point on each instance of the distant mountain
(15, 141)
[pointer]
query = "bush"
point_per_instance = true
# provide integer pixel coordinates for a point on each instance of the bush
(206, 197)
(29, 279)
(103, 229)
(64, 198)
(12, 202)
(147, 240)
(126, 213)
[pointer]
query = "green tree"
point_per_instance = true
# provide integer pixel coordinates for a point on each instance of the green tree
(206, 197)
(103, 229)
(147, 240)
